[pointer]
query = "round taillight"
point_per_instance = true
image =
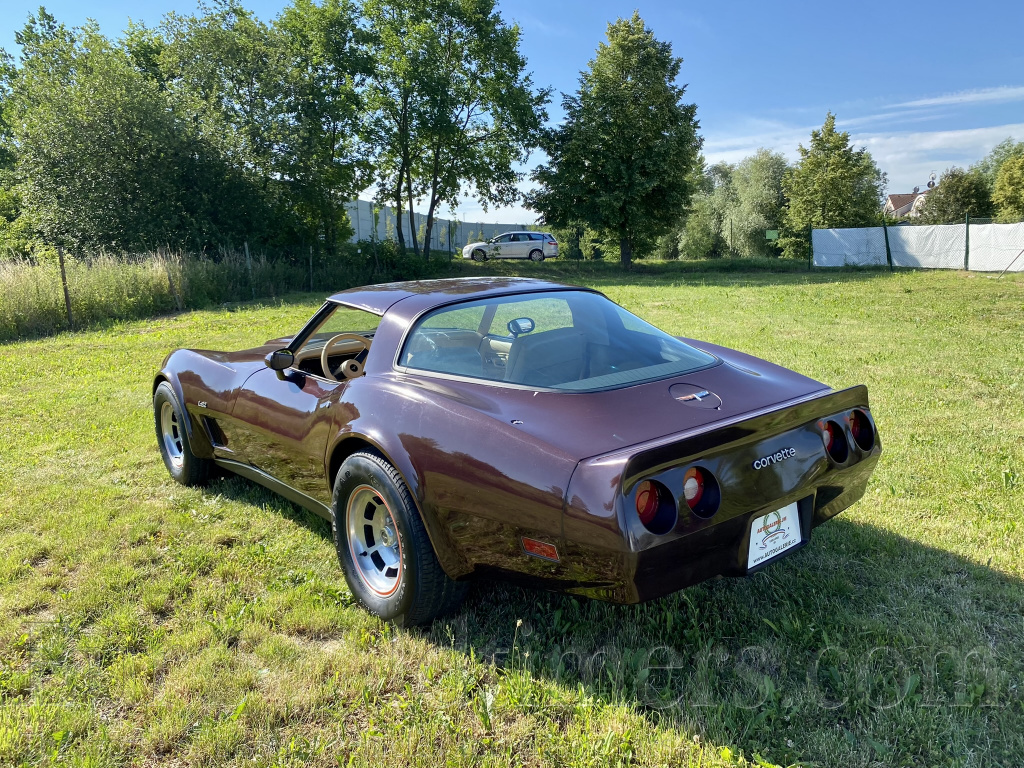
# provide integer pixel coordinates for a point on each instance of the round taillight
(693, 487)
(862, 430)
(655, 506)
(647, 501)
(701, 492)
(835, 443)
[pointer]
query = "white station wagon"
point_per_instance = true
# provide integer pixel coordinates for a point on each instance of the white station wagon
(535, 246)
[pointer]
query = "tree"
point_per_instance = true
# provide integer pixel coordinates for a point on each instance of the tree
(989, 166)
(224, 74)
(97, 159)
(832, 185)
(320, 157)
(1008, 194)
(705, 233)
(959, 193)
(452, 109)
(621, 161)
(760, 202)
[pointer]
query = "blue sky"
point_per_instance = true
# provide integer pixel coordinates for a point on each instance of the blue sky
(922, 85)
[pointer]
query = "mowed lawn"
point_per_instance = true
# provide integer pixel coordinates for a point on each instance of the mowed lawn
(142, 623)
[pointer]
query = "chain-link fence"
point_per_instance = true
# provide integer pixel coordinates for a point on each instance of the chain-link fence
(977, 247)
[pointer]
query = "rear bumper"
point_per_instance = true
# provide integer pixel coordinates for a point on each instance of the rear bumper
(722, 550)
(619, 560)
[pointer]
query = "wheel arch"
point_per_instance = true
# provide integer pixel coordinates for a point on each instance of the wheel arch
(451, 559)
(198, 440)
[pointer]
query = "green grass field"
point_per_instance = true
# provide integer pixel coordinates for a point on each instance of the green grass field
(142, 623)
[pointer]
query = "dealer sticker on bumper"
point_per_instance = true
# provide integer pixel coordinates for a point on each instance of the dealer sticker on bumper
(773, 534)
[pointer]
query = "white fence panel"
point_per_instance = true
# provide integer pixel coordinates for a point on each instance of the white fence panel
(994, 247)
(933, 247)
(360, 214)
(861, 247)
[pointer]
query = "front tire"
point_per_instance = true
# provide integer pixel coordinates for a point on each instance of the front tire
(172, 436)
(536, 255)
(479, 255)
(383, 547)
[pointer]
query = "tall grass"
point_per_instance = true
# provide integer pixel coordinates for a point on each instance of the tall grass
(130, 287)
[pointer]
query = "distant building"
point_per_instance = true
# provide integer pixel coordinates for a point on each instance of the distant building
(905, 206)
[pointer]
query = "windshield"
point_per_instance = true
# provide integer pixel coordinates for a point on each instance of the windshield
(566, 340)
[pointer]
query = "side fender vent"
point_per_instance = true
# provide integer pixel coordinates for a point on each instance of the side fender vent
(217, 437)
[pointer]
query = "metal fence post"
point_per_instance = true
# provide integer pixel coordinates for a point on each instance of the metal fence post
(888, 253)
(967, 241)
(64, 283)
(810, 247)
(311, 269)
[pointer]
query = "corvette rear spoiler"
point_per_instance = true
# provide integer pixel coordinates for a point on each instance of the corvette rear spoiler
(740, 430)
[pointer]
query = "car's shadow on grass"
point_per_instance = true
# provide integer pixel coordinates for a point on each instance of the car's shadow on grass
(864, 648)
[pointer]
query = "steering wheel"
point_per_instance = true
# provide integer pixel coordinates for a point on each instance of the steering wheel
(351, 368)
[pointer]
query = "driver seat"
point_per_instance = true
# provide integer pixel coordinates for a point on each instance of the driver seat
(546, 359)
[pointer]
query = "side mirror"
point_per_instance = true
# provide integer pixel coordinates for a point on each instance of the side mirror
(520, 325)
(280, 360)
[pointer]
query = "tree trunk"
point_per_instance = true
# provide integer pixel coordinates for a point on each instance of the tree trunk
(413, 235)
(430, 228)
(398, 216)
(625, 252)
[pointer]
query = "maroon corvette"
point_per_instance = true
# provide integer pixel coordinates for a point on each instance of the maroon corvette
(449, 428)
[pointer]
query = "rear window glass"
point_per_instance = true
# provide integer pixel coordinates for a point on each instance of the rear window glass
(565, 340)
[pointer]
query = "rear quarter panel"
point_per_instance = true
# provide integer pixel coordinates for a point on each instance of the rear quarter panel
(480, 483)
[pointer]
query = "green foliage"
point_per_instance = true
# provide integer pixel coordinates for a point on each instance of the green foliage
(104, 162)
(279, 102)
(218, 128)
(96, 155)
(321, 157)
(989, 165)
(621, 162)
(16, 231)
(959, 193)
(706, 230)
(1008, 194)
(832, 185)
(451, 106)
(760, 202)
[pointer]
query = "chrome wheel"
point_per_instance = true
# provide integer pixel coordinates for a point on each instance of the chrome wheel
(373, 541)
(170, 432)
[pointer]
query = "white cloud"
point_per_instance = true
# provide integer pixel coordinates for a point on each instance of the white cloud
(908, 157)
(1000, 94)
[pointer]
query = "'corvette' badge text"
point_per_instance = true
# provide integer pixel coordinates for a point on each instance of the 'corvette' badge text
(775, 458)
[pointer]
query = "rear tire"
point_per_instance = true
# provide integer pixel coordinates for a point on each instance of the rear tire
(536, 255)
(172, 437)
(383, 547)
